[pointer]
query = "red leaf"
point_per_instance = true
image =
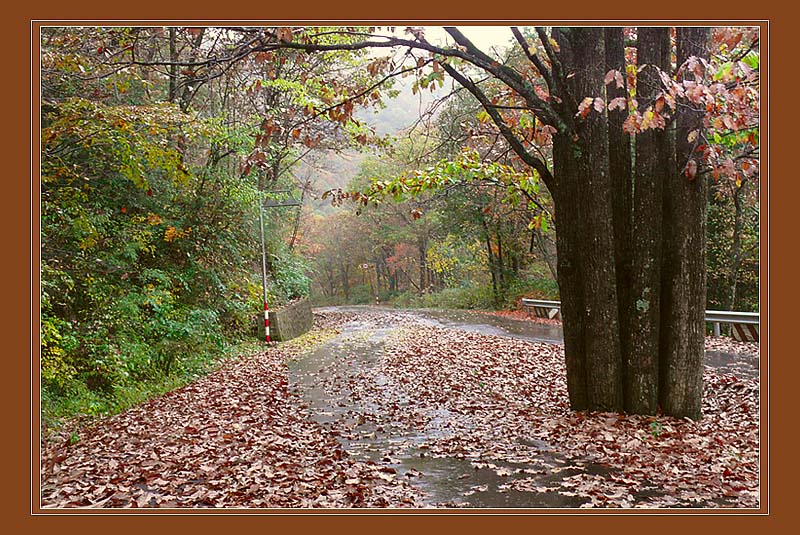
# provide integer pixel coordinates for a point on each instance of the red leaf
(691, 169)
(584, 107)
(620, 80)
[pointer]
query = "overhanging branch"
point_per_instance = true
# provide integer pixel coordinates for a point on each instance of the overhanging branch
(505, 130)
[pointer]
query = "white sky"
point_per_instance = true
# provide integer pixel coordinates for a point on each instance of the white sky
(484, 37)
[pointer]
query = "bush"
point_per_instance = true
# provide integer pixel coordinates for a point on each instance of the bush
(534, 288)
(150, 258)
(362, 294)
(58, 344)
(477, 297)
(288, 278)
(467, 297)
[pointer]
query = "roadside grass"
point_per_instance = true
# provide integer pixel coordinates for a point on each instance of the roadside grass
(62, 414)
(77, 403)
(478, 297)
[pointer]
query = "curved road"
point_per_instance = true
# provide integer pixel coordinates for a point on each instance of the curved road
(742, 365)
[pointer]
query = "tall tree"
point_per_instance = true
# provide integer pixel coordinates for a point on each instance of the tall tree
(632, 301)
(653, 169)
(684, 273)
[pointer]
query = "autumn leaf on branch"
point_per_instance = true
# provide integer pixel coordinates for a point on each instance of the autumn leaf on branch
(691, 169)
(585, 107)
(614, 76)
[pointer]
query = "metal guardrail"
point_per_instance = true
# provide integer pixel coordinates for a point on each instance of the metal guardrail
(712, 316)
(549, 309)
(727, 316)
(540, 303)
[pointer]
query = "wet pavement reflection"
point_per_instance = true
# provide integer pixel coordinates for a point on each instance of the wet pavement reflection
(327, 380)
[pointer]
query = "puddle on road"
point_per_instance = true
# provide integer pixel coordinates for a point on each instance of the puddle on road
(743, 366)
(325, 379)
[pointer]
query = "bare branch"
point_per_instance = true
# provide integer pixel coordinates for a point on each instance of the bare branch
(512, 140)
(537, 62)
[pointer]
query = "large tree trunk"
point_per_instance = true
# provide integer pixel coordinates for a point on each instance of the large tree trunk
(570, 267)
(642, 309)
(633, 338)
(587, 162)
(619, 163)
(684, 271)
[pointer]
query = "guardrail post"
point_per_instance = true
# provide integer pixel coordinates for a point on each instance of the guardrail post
(716, 330)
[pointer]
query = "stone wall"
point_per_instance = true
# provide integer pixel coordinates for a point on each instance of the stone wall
(289, 321)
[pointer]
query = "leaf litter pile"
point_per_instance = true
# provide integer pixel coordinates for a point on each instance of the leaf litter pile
(502, 404)
(243, 437)
(236, 438)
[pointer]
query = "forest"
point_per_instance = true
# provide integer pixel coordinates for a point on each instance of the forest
(613, 169)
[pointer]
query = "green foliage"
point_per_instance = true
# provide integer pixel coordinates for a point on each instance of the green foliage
(361, 294)
(147, 265)
(151, 180)
(470, 297)
(468, 167)
(534, 286)
(655, 428)
(476, 296)
(721, 214)
(289, 278)
(58, 343)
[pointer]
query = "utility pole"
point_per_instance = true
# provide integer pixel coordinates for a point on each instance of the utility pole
(269, 203)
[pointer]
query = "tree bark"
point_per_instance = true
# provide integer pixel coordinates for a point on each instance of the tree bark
(683, 271)
(632, 339)
(570, 269)
(587, 163)
(642, 308)
(619, 160)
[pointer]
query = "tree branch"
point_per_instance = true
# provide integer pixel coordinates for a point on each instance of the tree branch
(512, 140)
(537, 62)
(511, 78)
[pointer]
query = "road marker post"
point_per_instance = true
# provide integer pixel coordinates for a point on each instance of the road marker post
(266, 323)
(264, 273)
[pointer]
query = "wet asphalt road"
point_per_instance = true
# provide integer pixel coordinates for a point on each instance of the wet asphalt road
(744, 366)
(324, 380)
